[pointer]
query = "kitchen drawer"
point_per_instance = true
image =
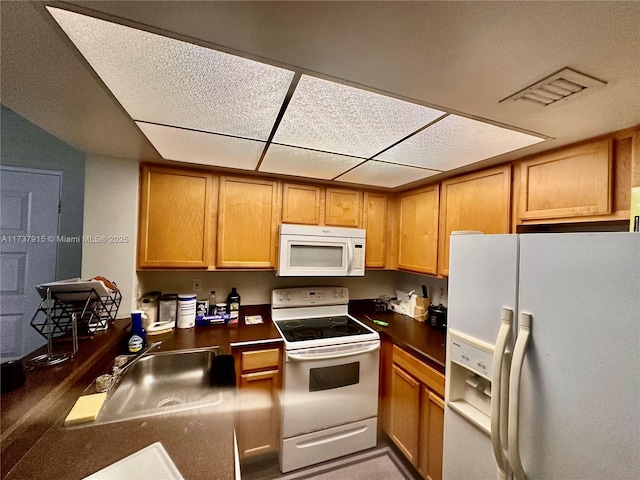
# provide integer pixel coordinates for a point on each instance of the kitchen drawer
(427, 375)
(260, 359)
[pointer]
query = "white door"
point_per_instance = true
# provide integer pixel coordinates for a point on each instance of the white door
(579, 409)
(28, 253)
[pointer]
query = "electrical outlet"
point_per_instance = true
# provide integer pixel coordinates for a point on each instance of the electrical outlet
(197, 285)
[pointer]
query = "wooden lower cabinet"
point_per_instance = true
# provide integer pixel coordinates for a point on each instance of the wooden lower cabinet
(416, 413)
(257, 414)
(405, 409)
(431, 433)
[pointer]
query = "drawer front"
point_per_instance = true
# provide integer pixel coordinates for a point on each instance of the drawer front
(427, 375)
(260, 359)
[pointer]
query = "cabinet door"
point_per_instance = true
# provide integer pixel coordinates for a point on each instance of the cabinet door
(431, 435)
(478, 201)
(375, 223)
(177, 218)
(343, 207)
(405, 411)
(301, 204)
(247, 223)
(257, 417)
(574, 182)
(418, 223)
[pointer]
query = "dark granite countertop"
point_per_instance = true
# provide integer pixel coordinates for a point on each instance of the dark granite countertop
(418, 338)
(35, 444)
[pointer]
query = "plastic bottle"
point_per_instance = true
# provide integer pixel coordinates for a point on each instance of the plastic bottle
(212, 303)
(137, 338)
(233, 304)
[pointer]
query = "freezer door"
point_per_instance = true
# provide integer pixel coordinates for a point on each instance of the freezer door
(579, 414)
(483, 280)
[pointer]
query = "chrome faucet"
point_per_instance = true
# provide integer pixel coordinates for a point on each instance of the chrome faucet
(120, 369)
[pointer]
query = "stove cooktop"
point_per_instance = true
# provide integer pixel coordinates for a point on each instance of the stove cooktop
(299, 330)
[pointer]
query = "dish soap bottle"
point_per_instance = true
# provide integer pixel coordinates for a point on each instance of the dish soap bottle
(233, 305)
(137, 338)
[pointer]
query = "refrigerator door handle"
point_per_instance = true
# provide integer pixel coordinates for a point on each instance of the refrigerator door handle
(498, 417)
(519, 351)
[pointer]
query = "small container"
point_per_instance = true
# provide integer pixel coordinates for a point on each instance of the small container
(186, 310)
(202, 308)
(149, 304)
(168, 308)
(221, 309)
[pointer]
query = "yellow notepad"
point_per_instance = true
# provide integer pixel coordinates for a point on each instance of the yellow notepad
(86, 409)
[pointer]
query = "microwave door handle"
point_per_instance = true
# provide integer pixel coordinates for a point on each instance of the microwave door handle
(349, 256)
(332, 355)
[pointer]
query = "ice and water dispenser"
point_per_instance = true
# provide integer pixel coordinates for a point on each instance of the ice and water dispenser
(469, 385)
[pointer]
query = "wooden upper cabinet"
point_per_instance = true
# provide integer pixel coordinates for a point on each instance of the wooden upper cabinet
(343, 207)
(247, 223)
(418, 225)
(574, 182)
(477, 201)
(177, 218)
(375, 224)
(301, 204)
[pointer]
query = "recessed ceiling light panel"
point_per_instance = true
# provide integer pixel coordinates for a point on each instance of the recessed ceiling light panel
(328, 116)
(305, 163)
(456, 141)
(162, 80)
(203, 148)
(387, 175)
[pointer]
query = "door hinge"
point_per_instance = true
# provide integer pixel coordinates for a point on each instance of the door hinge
(59, 205)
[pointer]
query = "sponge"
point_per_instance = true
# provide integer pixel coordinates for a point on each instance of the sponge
(86, 409)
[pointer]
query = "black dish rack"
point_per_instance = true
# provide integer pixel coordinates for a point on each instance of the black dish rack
(93, 311)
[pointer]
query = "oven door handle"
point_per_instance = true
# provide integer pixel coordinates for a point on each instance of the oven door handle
(331, 355)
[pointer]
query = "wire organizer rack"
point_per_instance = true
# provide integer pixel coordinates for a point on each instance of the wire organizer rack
(94, 308)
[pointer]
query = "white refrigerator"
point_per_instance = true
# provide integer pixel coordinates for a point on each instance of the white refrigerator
(543, 357)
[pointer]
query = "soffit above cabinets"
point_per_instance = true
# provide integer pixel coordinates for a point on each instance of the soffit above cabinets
(200, 105)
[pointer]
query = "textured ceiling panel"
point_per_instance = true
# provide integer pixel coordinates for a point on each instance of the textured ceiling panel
(305, 163)
(456, 141)
(387, 175)
(328, 116)
(162, 80)
(203, 148)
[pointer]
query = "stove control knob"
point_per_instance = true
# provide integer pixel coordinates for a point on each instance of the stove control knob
(283, 295)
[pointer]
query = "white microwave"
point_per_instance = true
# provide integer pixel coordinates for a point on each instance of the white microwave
(319, 251)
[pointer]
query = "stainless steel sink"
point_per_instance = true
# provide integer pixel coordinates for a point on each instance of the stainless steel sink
(160, 383)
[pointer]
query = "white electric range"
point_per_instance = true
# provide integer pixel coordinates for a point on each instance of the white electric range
(330, 376)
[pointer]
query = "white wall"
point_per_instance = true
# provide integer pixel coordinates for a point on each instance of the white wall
(110, 215)
(255, 287)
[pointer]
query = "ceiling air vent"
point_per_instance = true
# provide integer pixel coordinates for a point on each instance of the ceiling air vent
(562, 85)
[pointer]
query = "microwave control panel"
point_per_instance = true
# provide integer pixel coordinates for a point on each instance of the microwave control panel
(358, 256)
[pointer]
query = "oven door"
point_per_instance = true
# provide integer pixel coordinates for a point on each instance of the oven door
(329, 386)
